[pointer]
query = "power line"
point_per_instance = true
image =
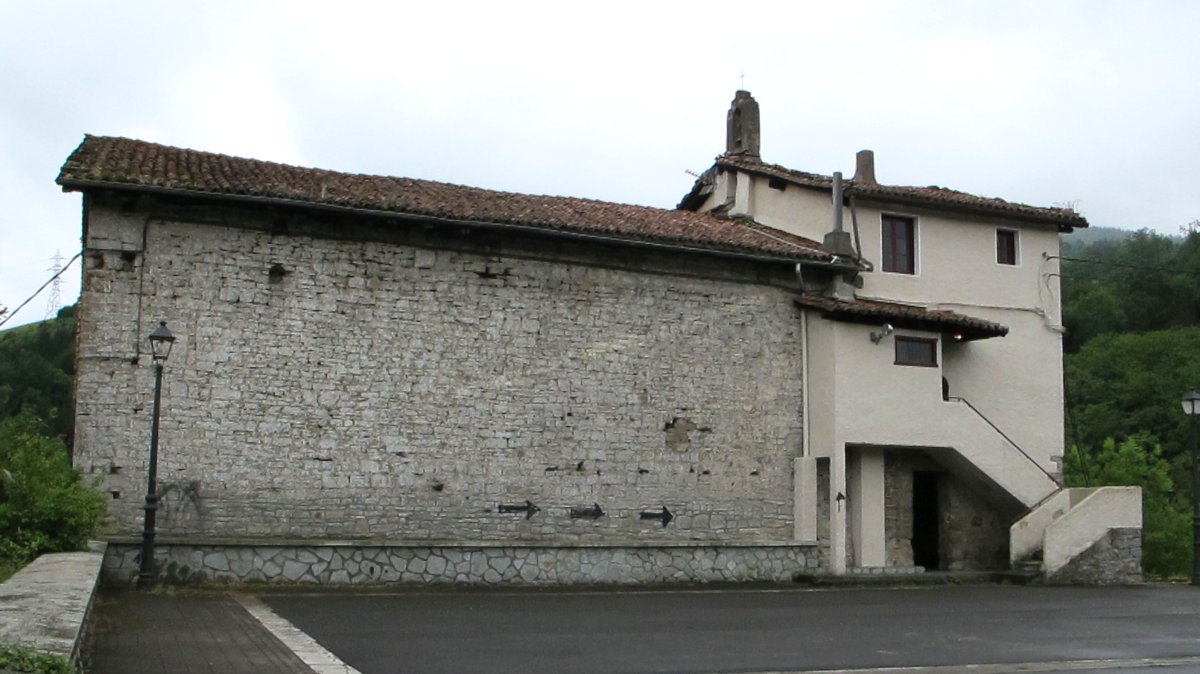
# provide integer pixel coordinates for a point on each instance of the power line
(1125, 265)
(7, 317)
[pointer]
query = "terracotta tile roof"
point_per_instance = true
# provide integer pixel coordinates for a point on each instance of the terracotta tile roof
(931, 197)
(904, 316)
(122, 163)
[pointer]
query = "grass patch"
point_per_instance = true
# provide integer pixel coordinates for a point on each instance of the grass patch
(16, 658)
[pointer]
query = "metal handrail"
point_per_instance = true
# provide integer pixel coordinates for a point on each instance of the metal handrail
(1004, 435)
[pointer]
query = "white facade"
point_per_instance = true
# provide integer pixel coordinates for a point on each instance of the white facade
(989, 412)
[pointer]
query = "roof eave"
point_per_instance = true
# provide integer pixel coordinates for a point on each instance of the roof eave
(808, 257)
(962, 331)
(1064, 224)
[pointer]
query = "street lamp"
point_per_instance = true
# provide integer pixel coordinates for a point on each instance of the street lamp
(161, 341)
(1191, 407)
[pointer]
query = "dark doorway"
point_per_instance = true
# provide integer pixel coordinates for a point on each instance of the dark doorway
(925, 520)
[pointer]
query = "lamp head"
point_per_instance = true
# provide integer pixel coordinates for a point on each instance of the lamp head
(1191, 404)
(161, 341)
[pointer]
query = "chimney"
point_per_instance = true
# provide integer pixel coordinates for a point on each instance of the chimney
(837, 240)
(742, 126)
(864, 169)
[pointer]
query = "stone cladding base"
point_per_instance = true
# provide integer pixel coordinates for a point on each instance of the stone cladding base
(341, 563)
(1115, 559)
(885, 570)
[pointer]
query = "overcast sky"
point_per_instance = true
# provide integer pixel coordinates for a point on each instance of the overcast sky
(1046, 102)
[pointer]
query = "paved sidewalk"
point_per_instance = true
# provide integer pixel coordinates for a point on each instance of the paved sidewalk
(147, 632)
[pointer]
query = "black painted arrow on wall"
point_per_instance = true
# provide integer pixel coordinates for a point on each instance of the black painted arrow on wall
(587, 513)
(528, 508)
(665, 515)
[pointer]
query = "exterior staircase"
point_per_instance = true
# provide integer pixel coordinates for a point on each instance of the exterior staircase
(992, 452)
(1061, 524)
(1067, 524)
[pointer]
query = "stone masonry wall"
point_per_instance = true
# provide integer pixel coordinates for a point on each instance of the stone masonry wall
(480, 564)
(898, 510)
(972, 532)
(354, 379)
(1115, 559)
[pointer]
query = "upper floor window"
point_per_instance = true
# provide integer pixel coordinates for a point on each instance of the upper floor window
(916, 351)
(1006, 246)
(899, 244)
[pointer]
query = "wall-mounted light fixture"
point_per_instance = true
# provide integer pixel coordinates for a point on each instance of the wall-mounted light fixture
(877, 337)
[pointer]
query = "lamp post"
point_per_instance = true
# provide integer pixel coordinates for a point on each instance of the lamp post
(161, 341)
(1191, 407)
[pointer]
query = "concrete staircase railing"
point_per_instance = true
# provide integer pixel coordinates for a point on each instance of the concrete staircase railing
(1088, 521)
(1070, 521)
(1026, 536)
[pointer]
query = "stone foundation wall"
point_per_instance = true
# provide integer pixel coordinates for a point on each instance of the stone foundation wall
(898, 512)
(1115, 559)
(974, 534)
(353, 378)
(336, 564)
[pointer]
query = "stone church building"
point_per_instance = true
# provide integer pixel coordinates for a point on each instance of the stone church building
(388, 379)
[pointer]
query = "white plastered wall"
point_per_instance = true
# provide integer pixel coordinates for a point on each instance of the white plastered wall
(861, 403)
(821, 392)
(857, 395)
(1016, 380)
(865, 502)
(802, 211)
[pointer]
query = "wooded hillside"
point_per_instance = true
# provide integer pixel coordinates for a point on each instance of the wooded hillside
(1132, 311)
(37, 373)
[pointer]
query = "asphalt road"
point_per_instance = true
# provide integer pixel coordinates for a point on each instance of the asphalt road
(790, 630)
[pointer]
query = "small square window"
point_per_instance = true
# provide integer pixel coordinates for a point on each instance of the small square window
(1006, 246)
(899, 244)
(916, 351)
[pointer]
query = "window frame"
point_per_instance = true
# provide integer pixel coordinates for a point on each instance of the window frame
(931, 342)
(886, 242)
(1014, 250)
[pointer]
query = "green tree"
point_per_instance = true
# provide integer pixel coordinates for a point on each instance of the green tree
(1143, 282)
(1147, 262)
(44, 506)
(1138, 461)
(1121, 386)
(1184, 280)
(1092, 308)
